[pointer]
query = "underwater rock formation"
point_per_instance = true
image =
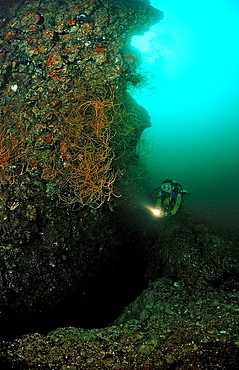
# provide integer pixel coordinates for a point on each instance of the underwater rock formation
(65, 114)
(76, 247)
(187, 316)
(68, 133)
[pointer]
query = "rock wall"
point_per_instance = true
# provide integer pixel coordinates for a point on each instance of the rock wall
(68, 132)
(75, 249)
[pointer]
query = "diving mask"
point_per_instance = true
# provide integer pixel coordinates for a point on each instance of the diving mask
(167, 187)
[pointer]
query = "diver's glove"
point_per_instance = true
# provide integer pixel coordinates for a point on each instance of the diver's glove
(167, 214)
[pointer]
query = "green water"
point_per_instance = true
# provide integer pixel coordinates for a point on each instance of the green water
(191, 59)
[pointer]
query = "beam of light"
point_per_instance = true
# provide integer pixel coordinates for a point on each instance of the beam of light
(157, 212)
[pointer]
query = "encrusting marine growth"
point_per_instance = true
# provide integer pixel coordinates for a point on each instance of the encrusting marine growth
(78, 156)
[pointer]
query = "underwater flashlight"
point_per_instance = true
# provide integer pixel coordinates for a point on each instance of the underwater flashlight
(157, 212)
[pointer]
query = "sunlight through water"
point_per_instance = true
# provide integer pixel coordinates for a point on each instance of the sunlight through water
(191, 60)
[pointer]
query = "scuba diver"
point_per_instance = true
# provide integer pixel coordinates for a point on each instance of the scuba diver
(169, 199)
